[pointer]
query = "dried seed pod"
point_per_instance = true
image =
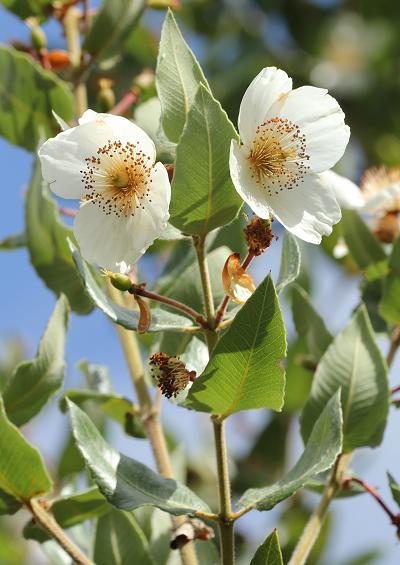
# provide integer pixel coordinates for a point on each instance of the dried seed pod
(238, 284)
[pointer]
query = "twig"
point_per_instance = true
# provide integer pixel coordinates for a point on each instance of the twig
(46, 520)
(394, 390)
(68, 212)
(394, 345)
(129, 98)
(71, 22)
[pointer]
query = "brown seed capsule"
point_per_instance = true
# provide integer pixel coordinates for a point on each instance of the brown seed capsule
(145, 315)
(170, 373)
(387, 228)
(238, 284)
(258, 235)
(59, 59)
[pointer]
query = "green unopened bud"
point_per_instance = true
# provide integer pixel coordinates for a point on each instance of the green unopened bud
(118, 280)
(38, 37)
(105, 96)
(164, 4)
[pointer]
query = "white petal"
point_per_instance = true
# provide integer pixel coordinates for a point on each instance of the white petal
(321, 121)
(63, 157)
(263, 91)
(122, 129)
(251, 192)
(308, 211)
(348, 194)
(108, 240)
(382, 200)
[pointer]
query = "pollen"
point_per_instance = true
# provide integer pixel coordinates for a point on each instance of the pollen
(170, 373)
(117, 178)
(277, 156)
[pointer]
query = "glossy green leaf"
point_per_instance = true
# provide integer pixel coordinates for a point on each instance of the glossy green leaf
(354, 363)
(12, 242)
(178, 77)
(35, 382)
(48, 247)
(269, 552)
(120, 540)
(308, 323)
(22, 471)
(323, 445)
(116, 407)
(161, 320)
(364, 247)
(27, 8)
(389, 306)
(203, 196)
(126, 483)
(27, 96)
(290, 262)
(395, 489)
(114, 21)
(244, 371)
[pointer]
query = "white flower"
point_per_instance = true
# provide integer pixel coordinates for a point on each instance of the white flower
(380, 187)
(288, 137)
(347, 193)
(108, 163)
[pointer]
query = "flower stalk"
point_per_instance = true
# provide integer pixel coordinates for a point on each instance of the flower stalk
(71, 23)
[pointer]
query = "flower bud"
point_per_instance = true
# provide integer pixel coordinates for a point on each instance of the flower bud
(258, 235)
(143, 81)
(238, 284)
(59, 59)
(105, 95)
(387, 228)
(38, 37)
(118, 280)
(164, 4)
(170, 374)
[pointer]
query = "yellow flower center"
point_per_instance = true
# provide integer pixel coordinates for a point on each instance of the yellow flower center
(277, 155)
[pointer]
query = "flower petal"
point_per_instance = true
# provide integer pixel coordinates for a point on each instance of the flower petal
(122, 129)
(348, 194)
(251, 192)
(384, 200)
(309, 210)
(110, 239)
(263, 91)
(321, 121)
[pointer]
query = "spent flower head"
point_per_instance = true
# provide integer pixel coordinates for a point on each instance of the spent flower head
(109, 164)
(170, 374)
(287, 138)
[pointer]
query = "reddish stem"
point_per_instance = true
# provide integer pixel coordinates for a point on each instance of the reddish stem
(394, 518)
(69, 212)
(395, 390)
(224, 304)
(44, 59)
(129, 98)
(139, 291)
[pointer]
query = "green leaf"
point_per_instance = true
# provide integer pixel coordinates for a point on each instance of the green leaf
(114, 21)
(178, 77)
(13, 242)
(116, 407)
(389, 306)
(395, 489)
(126, 483)
(22, 471)
(27, 8)
(8, 503)
(290, 262)
(161, 320)
(35, 382)
(364, 247)
(28, 94)
(48, 247)
(120, 540)
(354, 363)
(203, 196)
(308, 323)
(269, 552)
(323, 446)
(244, 371)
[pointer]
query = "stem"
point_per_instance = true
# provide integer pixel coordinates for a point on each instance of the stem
(47, 521)
(128, 99)
(314, 525)
(71, 23)
(224, 304)
(150, 415)
(394, 345)
(225, 520)
(394, 518)
(395, 389)
(197, 317)
(224, 488)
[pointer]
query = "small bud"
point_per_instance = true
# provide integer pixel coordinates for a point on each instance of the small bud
(144, 80)
(387, 228)
(170, 374)
(38, 37)
(145, 315)
(258, 235)
(238, 284)
(118, 280)
(105, 95)
(59, 59)
(164, 4)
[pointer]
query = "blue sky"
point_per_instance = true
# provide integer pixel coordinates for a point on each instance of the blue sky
(25, 305)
